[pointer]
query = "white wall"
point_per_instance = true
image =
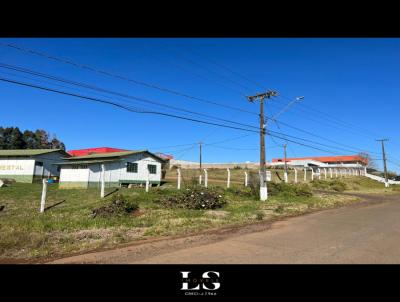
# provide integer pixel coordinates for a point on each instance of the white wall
(16, 166)
(75, 175)
(115, 170)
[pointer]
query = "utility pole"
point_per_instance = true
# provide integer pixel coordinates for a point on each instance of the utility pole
(200, 177)
(384, 159)
(200, 143)
(263, 174)
(286, 174)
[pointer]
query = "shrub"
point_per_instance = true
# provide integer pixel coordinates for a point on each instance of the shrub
(260, 215)
(195, 198)
(289, 190)
(120, 205)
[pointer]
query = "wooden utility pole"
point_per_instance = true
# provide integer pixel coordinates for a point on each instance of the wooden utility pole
(200, 143)
(263, 176)
(286, 173)
(200, 176)
(384, 160)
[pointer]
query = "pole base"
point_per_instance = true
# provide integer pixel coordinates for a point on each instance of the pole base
(386, 185)
(263, 193)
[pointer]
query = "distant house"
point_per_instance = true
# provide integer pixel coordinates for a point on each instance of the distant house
(341, 161)
(121, 168)
(30, 165)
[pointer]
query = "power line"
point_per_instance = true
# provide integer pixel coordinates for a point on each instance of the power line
(80, 84)
(132, 109)
(142, 83)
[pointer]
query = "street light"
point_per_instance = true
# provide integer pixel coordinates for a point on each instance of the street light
(297, 99)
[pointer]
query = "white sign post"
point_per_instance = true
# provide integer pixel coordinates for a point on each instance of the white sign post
(205, 178)
(179, 178)
(43, 200)
(228, 182)
(103, 172)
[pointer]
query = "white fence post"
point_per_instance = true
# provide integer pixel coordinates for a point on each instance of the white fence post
(336, 172)
(295, 175)
(325, 172)
(179, 178)
(148, 180)
(43, 200)
(245, 179)
(200, 178)
(228, 182)
(305, 174)
(102, 189)
(285, 176)
(205, 178)
(319, 173)
(330, 172)
(312, 174)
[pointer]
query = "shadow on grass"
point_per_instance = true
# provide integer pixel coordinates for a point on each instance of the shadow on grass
(112, 192)
(53, 205)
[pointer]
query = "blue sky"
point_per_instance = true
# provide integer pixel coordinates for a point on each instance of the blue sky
(346, 80)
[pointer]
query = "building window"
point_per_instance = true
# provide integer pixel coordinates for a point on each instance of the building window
(152, 169)
(39, 163)
(132, 167)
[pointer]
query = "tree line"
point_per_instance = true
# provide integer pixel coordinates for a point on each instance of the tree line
(13, 138)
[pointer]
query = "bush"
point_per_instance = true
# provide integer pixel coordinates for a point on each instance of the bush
(335, 185)
(260, 215)
(195, 198)
(289, 190)
(120, 205)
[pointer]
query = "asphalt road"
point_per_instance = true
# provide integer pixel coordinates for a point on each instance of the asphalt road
(368, 233)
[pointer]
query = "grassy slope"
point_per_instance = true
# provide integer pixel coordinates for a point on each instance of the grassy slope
(69, 227)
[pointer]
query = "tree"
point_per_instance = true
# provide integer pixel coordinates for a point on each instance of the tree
(13, 138)
(371, 163)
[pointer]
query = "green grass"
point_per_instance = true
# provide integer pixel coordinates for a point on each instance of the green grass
(69, 226)
(354, 184)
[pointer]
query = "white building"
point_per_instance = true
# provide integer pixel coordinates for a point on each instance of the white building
(30, 165)
(120, 168)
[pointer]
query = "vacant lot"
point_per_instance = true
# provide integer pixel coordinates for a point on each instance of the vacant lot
(68, 225)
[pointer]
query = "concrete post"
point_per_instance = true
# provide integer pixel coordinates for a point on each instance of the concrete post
(295, 175)
(179, 178)
(228, 182)
(205, 178)
(319, 173)
(325, 172)
(245, 178)
(103, 176)
(330, 172)
(148, 180)
(44, 192)
(312, 174)
(336, 172)
(305, 175)
(285, 176)
(200, 178)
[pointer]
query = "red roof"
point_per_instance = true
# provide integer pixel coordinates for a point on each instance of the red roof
(327, 159)
(81, 152)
